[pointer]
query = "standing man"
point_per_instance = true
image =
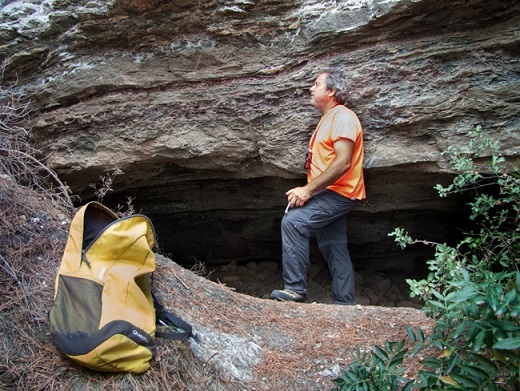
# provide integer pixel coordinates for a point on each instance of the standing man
(334, 164)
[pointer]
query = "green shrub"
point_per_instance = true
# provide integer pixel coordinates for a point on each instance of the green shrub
(379, 370)
(472, 290)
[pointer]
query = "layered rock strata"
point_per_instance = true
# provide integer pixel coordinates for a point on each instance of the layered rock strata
(205, 108)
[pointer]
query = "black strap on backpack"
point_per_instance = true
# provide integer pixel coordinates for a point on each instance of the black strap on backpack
(179, 329)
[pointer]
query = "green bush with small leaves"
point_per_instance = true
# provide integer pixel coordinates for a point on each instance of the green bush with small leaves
(472, 290)
(379, 370)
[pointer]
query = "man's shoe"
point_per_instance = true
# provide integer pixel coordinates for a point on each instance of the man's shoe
(287, 295)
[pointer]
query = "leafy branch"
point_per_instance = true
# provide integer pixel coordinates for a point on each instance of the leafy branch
(472, 290)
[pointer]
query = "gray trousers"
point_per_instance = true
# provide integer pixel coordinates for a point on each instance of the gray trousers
(325, 216)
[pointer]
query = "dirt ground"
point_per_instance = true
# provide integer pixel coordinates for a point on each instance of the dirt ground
(304, 345)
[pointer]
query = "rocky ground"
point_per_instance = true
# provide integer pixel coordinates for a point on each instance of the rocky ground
(258, 279)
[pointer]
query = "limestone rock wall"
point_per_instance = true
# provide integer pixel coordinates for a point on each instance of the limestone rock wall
(205, 107)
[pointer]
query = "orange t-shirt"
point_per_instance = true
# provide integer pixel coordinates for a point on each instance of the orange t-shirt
(339, 123)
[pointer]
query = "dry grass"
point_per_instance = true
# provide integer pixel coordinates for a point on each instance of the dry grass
(31, 241)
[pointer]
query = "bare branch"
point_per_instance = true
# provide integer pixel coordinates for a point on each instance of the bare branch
(18, 159)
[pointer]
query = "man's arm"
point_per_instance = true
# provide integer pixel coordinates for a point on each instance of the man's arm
(340, 165)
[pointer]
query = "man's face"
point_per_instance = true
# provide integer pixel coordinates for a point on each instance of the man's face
(320, 96)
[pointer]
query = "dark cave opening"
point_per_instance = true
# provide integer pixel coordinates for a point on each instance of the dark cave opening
(211, 224)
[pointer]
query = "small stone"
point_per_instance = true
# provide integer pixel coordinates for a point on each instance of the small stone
(326, 373)
(362, 300)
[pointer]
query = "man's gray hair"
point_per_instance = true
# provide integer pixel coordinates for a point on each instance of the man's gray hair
(336, 80)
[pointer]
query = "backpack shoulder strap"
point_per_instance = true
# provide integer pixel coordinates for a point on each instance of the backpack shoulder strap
(179, 329)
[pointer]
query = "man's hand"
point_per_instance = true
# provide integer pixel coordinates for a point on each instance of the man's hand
(298, 196)
(340, 164)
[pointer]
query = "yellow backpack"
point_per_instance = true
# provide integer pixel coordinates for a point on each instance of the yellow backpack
(104, 311)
